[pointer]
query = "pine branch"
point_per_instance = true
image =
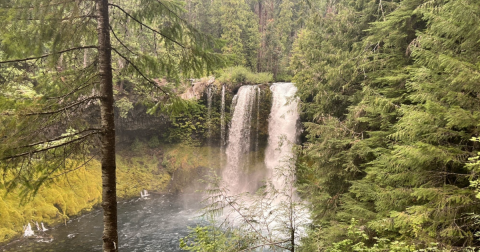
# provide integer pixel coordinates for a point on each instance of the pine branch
(56, 19)
(49, 148)
(44, 6)
(84, 85)
(146, 26)
(64, 108)
(47, 55)
(172, 12)
(58, 138)
(140, 72)
(121, 43)
(66, 172)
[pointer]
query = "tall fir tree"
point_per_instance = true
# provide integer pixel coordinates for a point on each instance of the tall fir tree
(63, 51)
(390, 113)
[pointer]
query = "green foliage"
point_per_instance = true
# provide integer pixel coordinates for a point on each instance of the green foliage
(124, 106)
(239, 74)
(357, 239)
(188, 128)
(137, 146)
(389, 107)
(153, 143)
(62, 198)
(211, 239)
(240, 33)
(77, 191)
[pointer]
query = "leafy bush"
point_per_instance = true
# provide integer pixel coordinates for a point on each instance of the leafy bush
(240, 74)
(137, 146)
(357, 239)
(211, 239)
(153, 142)
(124, 106)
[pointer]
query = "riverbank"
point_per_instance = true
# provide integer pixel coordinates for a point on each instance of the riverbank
(153, 224)
(167, 169)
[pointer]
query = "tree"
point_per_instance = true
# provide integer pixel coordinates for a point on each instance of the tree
(390, 108)
(239, 32)
(53, 48)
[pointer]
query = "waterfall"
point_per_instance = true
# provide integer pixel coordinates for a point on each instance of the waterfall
(257, 128)
(239, 135)
(222, 126)
(282, 134)
(209, 121)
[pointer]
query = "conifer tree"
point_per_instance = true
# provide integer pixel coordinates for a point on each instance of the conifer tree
(239, 32)
(62, 52)
(390, 107)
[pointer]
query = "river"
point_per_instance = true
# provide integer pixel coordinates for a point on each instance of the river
(154, 224)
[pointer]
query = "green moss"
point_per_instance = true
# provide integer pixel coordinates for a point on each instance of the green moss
(78, 192)
(140, 172)
(53, 203)
(240, 74)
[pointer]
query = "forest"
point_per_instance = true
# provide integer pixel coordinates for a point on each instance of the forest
(102, 99)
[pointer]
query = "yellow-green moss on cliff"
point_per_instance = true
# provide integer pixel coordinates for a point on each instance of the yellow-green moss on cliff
(67, 195)
(78, 191)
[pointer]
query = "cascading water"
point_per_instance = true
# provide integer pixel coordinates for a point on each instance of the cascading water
(239, 135)
(222, 125)
(209, 119)
(277, 210)
(282, 133)
(257, 140)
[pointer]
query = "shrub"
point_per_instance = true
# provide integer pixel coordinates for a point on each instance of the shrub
(137, 146)
(240, 74)
(153, 142)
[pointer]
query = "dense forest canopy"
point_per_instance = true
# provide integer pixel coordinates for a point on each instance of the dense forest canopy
(389, 90)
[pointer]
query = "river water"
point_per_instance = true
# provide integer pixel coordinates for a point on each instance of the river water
(154, 224)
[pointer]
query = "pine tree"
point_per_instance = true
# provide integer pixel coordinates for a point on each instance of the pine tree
(62, 51)
(239, 32)
(390, 116)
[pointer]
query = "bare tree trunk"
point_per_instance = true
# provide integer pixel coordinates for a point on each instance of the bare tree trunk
(109, 195)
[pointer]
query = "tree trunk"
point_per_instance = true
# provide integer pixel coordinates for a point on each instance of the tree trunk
(109, 194)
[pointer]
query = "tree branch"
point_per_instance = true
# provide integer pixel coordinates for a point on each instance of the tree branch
(140, 72)
(120, 41)
(63, 173)
(57, 138)
(55, 19)
(146, 26)
(169, 10)
(47, 55)
(49, 148)
(84, 85)
(64, 108)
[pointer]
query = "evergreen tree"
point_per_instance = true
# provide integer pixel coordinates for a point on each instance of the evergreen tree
(390, 113)
(63, 52)
(239, 32)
